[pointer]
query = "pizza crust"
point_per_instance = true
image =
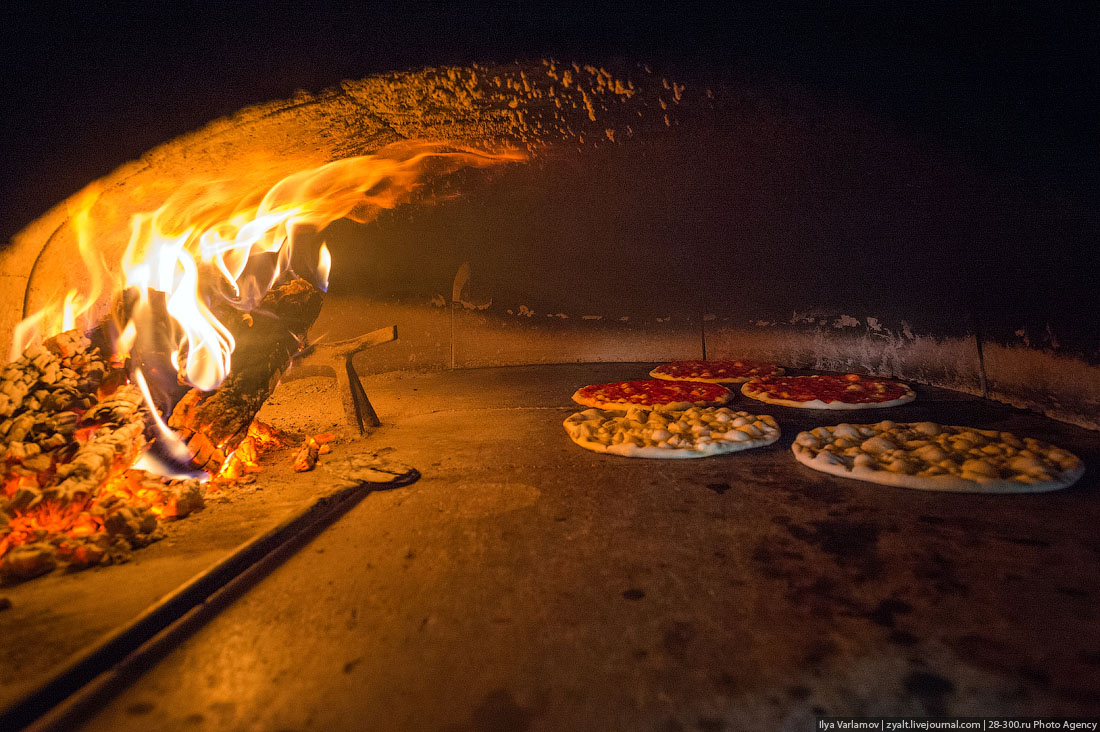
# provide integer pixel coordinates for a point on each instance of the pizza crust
(968, 460)
(690, 433)
(761, 396)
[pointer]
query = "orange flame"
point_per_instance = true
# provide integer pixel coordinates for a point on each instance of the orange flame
(200, 249)
(200, 243)
(74, 307)
(174, 445)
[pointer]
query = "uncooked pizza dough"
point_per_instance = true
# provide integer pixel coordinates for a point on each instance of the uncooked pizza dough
(934, 457)
(691, 433)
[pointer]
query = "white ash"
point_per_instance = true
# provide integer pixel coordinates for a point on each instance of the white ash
(69, 501)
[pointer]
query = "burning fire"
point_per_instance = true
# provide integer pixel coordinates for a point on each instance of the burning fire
(206, 243)
(193, 272)
(212, 245)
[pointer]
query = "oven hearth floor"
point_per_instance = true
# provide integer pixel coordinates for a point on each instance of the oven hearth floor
(526, 584)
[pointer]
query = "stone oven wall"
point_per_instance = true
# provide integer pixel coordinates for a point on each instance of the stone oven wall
(653, 221)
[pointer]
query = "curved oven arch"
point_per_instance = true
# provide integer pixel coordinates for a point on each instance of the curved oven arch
(654, 221)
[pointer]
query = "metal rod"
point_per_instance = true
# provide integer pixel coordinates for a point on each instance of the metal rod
(983, 382)
(357, 407)
(364, 410)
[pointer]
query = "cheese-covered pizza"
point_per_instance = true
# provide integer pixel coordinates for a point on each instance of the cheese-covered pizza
(934, 457)
(715, 372)
(691, 433)
(850, 391)
(654, 394)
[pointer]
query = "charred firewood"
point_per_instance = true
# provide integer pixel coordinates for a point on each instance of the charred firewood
(214, 423)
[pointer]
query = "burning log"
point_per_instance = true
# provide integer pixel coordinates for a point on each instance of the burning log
(214, 423)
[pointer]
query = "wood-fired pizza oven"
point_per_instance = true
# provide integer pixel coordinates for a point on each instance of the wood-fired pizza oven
(635, 218)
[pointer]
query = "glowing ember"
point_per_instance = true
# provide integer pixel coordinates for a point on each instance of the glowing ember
(245, 459)
(308, 455)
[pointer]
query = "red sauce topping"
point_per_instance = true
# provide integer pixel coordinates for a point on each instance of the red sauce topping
(717, 369)
(655, 391)
(849, 389)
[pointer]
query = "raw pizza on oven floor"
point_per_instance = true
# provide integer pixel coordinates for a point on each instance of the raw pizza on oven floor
(850, 391)
(655, 394)
(690, 433)
(934, 457)
(715, 372)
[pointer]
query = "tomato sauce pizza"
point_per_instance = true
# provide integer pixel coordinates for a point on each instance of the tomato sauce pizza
(657, 394)
(715, 372)
(850, 391)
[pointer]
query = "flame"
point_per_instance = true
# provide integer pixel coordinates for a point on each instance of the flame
(324, 266)
(125, 341)
(218, 245)
(174, 445)
(74, 308)
(199, 247)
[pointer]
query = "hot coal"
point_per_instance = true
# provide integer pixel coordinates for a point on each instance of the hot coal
(73, 427)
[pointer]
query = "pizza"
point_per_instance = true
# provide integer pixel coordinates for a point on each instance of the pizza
(657, 394)
(850, 391)
(691, 433)
(932, 457)
(715, 372)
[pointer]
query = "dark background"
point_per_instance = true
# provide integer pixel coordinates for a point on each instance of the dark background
(1012, 86)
